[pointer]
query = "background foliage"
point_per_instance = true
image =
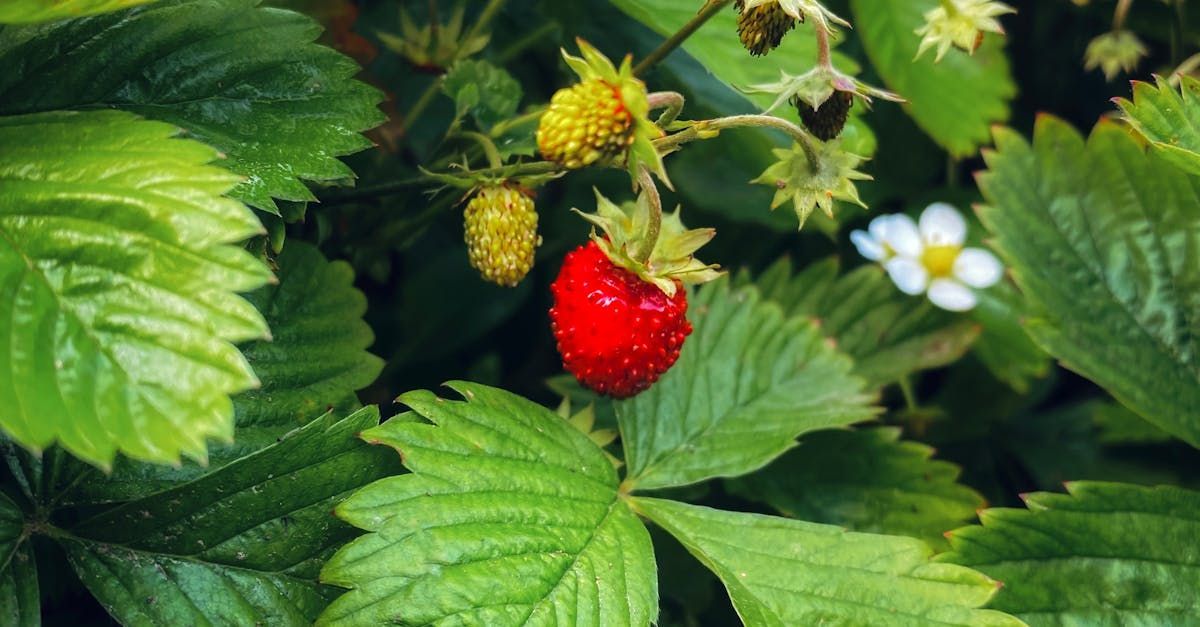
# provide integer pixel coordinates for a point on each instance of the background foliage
(183, 412)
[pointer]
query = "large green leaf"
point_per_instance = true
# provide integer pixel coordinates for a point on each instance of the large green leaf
(1170, 119)
(749, 380)
(1104, 239)
(245, 80)
(30, 11)
(315, 361)
(1106, 554)
(511, 517)
(782, 572)
(867, 480)
(20, 604)
(117, 303)
(889, 335)
(955, 101)
(240, 546)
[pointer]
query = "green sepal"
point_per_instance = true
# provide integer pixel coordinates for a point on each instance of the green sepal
(795, 178)
(624, 229)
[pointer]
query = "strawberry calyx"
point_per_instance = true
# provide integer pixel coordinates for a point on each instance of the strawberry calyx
(625, 234)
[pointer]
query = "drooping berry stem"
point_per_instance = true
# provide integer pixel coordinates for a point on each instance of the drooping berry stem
(824, 56)
(704, 129)
(654, 227)
(673, 101)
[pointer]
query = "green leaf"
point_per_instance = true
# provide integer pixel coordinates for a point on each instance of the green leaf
(1168, 118)
(31, 11)
(889, 335)
(1118, 425)
(488, 93)
(20, 604)
(787, 572)
(117, 304)
(278, 106)
(1004, 346)
(866, 480)
(955, 101)
(748, 381)
(239, 546)
(511, 517)
(314, 363)
(1104, 554)
(1104, 239)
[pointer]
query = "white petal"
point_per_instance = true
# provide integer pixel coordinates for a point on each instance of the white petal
(867, 246)
(951, 295)
(901, 234)
(908, 274)
(978, 268)
(943, 225)
(878, 227)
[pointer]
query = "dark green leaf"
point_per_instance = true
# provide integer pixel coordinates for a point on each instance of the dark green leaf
(1004, 346)
(487, 92)
(20, 605)
(866, 480)
(1104, 239)
(241, 545)
(748, 382)
(889, 335)
(117, 303)
(245, 80)
(511, 517)
(30, 11)
(782, 572)
(1104, 554)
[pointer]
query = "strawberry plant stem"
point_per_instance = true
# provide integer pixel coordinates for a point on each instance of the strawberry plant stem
(642, 254)
(707, 129)
(671, 100)
(674, 41)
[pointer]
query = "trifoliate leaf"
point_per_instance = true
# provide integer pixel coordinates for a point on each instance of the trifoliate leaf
(238, 546)
(749, 380)
(814, 179)
(1106, 553)
(20, 603)
(866, 480)
(488, 93)
(279, 107)
(510, 517)
(32, 11)
(781, 572)
(1169, 119)
(117, 305)
(955, 101)
(1102, 238)
(314, 362)
(886, 333)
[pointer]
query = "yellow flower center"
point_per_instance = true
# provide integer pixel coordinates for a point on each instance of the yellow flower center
(939, 260)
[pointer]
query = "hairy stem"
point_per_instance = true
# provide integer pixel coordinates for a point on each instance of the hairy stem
(674, 41)
(1121, 12)
(824, 57)
(701, 130)
(393, 187)
(642, 254)
(671, 100)
(489, 147)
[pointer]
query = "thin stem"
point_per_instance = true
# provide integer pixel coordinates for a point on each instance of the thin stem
(503, 126)
(704, 128)
(642, 254)
(671, 100)
(420, 105)
(824, 57)
(489, 147)
(910, 397)
(393, 187)
(674, 41)
(1121, 13)
(522, 44)
(485, 18)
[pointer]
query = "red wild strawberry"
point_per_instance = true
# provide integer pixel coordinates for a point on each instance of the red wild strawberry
(617, 333)
(620, 322)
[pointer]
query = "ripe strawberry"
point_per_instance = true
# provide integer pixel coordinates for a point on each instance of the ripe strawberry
(828, 120)
(586, 124)
(617, 333)
(500, 228)
(762, 28)
(620, 322)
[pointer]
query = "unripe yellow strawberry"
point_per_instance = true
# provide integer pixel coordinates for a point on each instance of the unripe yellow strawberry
(586, 124)
(501, 233)
(761, 28)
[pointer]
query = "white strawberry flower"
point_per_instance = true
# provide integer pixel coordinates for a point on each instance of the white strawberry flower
(928, 257)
